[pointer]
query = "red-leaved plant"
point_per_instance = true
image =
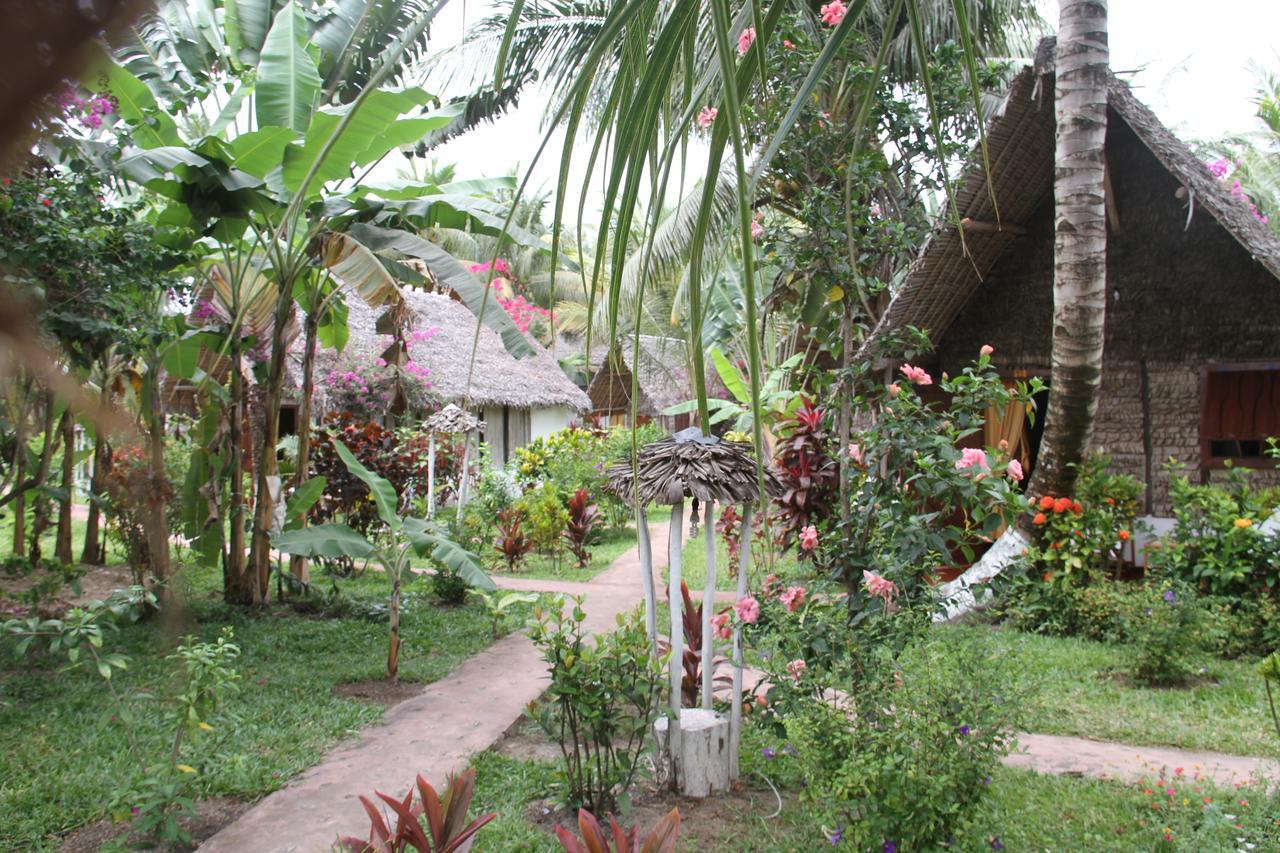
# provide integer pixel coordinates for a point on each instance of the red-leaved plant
(512, 542)
(583, 518)
(447, 828)
(809, 475)
(661, 839)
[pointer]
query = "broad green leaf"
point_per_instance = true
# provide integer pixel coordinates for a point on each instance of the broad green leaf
(232, 108)
(326, 540)
(730, 376)
(247, 22)
(288, 82)
(303, 498)
(262, 150)
(428, 542)
(181, 357)
(451, 274)
(384, 494)
(151, 127)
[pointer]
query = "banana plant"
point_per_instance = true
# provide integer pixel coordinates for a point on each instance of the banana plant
(776, 396)
(402, 539)
(500, 606)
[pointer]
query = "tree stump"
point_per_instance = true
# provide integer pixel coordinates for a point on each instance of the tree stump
(702, 758)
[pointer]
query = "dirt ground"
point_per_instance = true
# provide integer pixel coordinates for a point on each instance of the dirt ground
(98, 583)
(379, 691)
(211, 815)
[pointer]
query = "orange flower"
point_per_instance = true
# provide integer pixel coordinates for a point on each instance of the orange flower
(1048, 576)
(1077, 507)
(1110, 501)
(1040, 518)
(1062, 505)
(1124, 536)
(1046, 502)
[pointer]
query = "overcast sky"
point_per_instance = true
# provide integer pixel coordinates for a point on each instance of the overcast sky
(1190, 63)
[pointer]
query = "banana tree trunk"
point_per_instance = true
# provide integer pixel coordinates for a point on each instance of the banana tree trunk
(298, 563)
(40, 522)
(393, 612)
(157, 522)
(92, 551)
(1080, 243)
(237, 587)
(62, 539)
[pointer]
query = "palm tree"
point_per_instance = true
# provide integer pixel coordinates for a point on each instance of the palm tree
(1080, 243)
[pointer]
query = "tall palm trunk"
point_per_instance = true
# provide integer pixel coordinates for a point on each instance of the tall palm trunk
(1080, 243)
(62, 540)
(298, 563)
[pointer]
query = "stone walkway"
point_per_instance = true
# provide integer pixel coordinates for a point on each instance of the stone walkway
(1077, 756)
(434, 733)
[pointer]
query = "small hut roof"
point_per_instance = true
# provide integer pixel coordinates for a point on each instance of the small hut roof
(663, 378)
(689, 464)
(452, 419)
(498, 379)
(1020, 149)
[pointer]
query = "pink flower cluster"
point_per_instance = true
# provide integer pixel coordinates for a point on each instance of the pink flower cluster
(793, 598)
(1220, 169)
(418, 336)
(521, 311)
(879, 586)
(833, 13)
(720, 622)
(748, 609)
(706, 116)
(971, 457)
(499, 266)
(809, 538)
(917, 375)
(88, 111)
(796, 668)
(745, 40)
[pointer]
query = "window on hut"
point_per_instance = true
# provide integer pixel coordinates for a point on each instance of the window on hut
(1239, 410)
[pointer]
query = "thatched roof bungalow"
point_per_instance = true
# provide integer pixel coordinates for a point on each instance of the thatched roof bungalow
(1192, 363)
(519, 400)
(663, 381)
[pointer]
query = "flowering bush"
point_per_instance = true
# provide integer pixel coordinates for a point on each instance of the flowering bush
(1169, 631)
(809, 477)
(918, 500)
(1216, 543)
(366, 386)
(1080, 536)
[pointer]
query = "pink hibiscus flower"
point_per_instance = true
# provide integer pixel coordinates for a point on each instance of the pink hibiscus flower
(796, 668)
(706, 116)
(793, 598)
(833, 13)
(748, 609)
(917, 375)
(1014, 470)
(720, 622)
(808, 538)
(879, 586)
(971, 457)
(856, 454)
(745, 40)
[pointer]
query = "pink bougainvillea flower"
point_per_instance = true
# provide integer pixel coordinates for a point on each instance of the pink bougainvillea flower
(917, 375)
(745, 40)
(706, 116)
(833, 13)
(796, 668)
(793, 598)
(879, 586)
(1014, 470)
(757, 228)
(748, 609)
(971, 457)
(856, 454)
(808, 538)
(987, 349)
(720, 622)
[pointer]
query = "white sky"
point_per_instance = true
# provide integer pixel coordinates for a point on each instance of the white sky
(1191, 61)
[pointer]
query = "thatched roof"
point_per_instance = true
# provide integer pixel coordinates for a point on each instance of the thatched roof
(452, 419)
(498, 379)
(689, 464)
(663, 376)
(1020, 147)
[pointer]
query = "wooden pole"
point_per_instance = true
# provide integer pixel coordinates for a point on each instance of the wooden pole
(462, 477)
(646, 569)
(735, 718)
(708, 603)
(431, 475)
(676, 664)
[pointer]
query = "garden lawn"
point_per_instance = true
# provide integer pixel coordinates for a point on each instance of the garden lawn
(65, 757)
(613, 545)
(115, 553)
(1019, 811)
(1083, 692)
(693, 568)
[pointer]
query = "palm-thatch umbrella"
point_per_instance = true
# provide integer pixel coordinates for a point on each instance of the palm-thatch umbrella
(450, 420)
(690, 464)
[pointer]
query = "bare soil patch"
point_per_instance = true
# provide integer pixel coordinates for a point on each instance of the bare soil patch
(210, 816)
(98, 583)
(379, 691)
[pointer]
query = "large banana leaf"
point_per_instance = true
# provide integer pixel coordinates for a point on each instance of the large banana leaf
(260, 151)
(303, 498)
(288, 82)
(384, 494)
(354, 264)
(326, 540)
(428, 541)
(450, 273)
(246, 23)
(152, 127)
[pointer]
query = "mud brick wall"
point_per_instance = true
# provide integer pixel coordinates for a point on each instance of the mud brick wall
(1179, 296)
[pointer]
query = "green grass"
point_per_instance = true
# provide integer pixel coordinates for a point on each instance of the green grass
(1083, 694)
(565, 568)
(114, 553)
(693, 563)
(63, 752)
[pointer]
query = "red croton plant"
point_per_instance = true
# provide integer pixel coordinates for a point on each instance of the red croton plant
(583, 517)
(513, 543)
(447, 830)
(661, 839)
(808, 474)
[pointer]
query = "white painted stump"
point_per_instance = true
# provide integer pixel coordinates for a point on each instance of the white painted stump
(702, 759)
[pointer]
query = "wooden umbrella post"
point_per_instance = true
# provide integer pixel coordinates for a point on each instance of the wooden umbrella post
(708, 604)
(646, 569)
(735, 716)
(431, 474)
(462, 477)
(676, 662)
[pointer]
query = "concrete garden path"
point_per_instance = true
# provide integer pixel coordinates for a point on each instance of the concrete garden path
(434, 733)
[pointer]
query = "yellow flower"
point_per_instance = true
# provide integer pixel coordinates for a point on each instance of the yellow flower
(186, 768)
(206, 727)
(1242, 523)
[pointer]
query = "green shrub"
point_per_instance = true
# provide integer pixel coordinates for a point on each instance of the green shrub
(910, 773)
(546, 518)
(449, 586)
(601, 702)
(1170, 632)
(1216, 543)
